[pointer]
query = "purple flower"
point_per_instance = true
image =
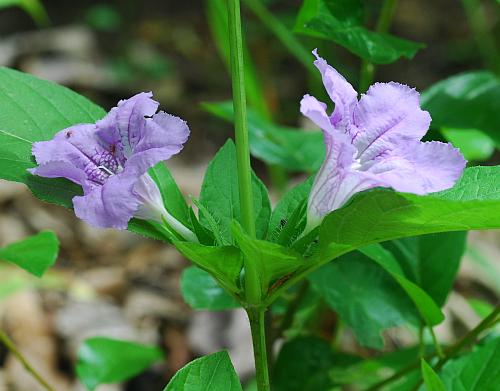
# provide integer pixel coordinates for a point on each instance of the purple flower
(110, 159)
(374, 142)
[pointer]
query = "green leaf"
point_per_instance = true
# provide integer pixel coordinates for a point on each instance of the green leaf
(214, 372)
(381, 215)
(173, 199)
(302, 365)
(431, 379)
(431, 261)
(473, 144)
(365, 296)
(476, 371)
(272, 261)
(430, 312)
(291, 148)
(220, 194)
(104, 360)
(35, 110)
(202, 292)
(466, 101)
(287, 205)
(341, 21)
(34, 254)
(224, 262)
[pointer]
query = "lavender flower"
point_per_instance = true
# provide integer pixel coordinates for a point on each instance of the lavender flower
(374, 142)
(110, 159)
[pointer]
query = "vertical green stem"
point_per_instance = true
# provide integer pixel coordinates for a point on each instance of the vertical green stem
(240, 116)
(13, 349)
(439, 350)
(257, 327)
(383, 25)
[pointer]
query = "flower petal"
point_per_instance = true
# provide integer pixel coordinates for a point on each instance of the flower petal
(340, 91)
(421, 168)
(163, 136)
(387, 116)
(109, 206)
(316, 112)
(58, 169)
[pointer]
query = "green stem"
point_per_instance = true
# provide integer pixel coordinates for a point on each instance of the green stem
(470, 337)
(437, 346)
(257, 327)
(252, 286)
(383, 24)
(485, 41)
(13, 349)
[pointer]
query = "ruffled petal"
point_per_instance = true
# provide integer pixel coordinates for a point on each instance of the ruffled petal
(340, 91)
(58, 169)
(421, 167)
(109, 206)
(388, 116)
(316, 112)
(124, 125)
(163, 137)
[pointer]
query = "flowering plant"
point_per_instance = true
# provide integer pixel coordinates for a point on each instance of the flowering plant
(379, 192)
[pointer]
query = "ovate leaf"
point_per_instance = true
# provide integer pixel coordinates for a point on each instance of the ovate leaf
(202, 292)
(342, 21)
(34, 254)
(104, 360)
(214, 372)
(220, 194)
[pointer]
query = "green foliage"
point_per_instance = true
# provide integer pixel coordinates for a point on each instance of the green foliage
(342, 21)
(431, 261)
(365, 296)
(290, 148)
(302, 365)
(380, 215)
(214, 372)
(466, 101)
(202, 292)
(473, 144)
(220, 195)
(34, 254)
(33, 8)
(431, 379)
(104, 360)
(475, 371)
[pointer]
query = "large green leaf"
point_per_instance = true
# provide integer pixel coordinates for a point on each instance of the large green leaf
(466, 101)
(342, 21)
(381, 215)
(476, 371)
(202, 292)
(220, 194)
(291, 148)
(104, 360)
(365, 296)
(302, 365)
(34, 254)
(214, 372)
(431, 261)
(34, 110)
(430, 312)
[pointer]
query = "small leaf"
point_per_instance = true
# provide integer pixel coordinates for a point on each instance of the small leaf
(291, 148)
(431, 379)
(220, 194)
(202, 292)
(104, 360)
(34, 254)
(214, 372)
(342, 21)
(33, 8)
